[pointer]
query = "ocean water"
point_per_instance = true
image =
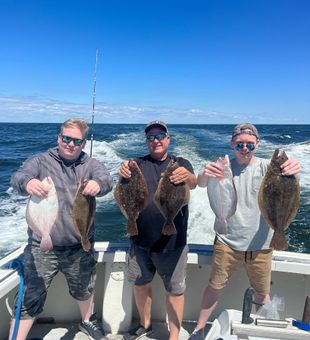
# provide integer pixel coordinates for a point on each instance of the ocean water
(115, 143)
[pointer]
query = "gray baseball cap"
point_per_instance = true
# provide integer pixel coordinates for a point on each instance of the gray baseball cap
(156, 123)
(245, 128)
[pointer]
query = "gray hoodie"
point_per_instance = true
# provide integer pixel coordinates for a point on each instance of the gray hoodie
(66, 176)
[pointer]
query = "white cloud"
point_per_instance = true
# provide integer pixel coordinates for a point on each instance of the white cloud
(38, 109)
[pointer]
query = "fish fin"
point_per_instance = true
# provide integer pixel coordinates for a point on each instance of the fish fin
(146, 202)
(82, 185)
(146, 196)
(187, 196)
(123, 211)
(158, 203)
(169, 229)
(116, 193)
(92, 209)
(220, 226)
(29, 220)
(132, 228)
(279, 241)
(119, 201)
(46, 243)
(86, 244)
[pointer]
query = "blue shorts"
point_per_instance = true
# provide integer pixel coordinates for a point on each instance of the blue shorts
(40, 268)
(170, 265)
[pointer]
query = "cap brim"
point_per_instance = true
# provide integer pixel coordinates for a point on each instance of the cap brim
(148, 128)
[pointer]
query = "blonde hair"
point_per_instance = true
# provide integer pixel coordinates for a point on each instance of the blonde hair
(76, 122)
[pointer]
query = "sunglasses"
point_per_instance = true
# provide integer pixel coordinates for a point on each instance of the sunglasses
(240, 146)
(76, 141)
(159, 136)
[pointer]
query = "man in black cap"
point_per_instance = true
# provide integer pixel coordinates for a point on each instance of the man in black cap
(150, 250)
(248, 237)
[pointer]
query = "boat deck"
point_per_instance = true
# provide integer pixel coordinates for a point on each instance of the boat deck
(53, 331)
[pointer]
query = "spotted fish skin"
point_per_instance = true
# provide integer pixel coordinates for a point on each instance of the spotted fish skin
(278, 199)
(131, 195)
(170, 198)
(222, 196)
(41, 214)
(83, 212)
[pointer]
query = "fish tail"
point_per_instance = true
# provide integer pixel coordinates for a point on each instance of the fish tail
(86, 244)
(169, 228)
(279, 241)
(220, 226)
(46, 243)
(132, 228)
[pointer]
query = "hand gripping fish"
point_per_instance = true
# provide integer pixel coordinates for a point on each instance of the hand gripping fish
(131, 195)
(170, 198)
(41, 214)
(83, 213)
(278, 199)
(222, 196)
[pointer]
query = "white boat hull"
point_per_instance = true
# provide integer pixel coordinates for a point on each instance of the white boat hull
(114, 299)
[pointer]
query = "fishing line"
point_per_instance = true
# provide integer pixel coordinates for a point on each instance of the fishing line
(93, 118)
(94, 102)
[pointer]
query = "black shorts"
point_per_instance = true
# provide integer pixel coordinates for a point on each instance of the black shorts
(170, 265)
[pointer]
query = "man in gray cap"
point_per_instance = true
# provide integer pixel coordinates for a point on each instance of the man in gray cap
(245, 128)
(247, 240)
(150, 250)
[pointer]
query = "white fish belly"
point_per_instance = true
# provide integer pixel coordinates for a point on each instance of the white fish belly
(223, 201)
(41, 213)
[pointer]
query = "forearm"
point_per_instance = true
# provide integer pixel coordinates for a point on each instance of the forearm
(202, 180)
(191, 181)
(28, 171)
(105, 184)
(101, 175)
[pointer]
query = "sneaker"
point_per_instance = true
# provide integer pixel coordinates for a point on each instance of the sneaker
(138, 333)
(197, 335)
(92, 328)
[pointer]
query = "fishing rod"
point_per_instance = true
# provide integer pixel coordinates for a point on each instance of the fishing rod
(94, 102)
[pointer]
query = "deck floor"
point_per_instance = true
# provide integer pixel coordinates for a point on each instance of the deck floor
(71, 331)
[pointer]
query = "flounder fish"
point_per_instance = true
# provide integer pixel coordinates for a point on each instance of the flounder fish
(83, 213)
(41, 214)
(278, 199)
(170, 198)
(222, 196)
(131, 195)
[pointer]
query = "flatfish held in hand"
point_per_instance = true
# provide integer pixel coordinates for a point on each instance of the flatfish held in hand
(170, 198)
(83, 213)
(222, 196)
(278, 199)
(41, 214)
(131, 195)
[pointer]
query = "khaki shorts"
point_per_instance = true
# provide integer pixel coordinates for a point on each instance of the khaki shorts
(256, 263)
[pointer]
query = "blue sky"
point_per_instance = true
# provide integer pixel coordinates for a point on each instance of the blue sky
(208, 61)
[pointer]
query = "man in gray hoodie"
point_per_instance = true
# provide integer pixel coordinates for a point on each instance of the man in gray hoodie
(66, 165)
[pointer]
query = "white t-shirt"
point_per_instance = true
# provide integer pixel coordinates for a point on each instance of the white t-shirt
(247, 229)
